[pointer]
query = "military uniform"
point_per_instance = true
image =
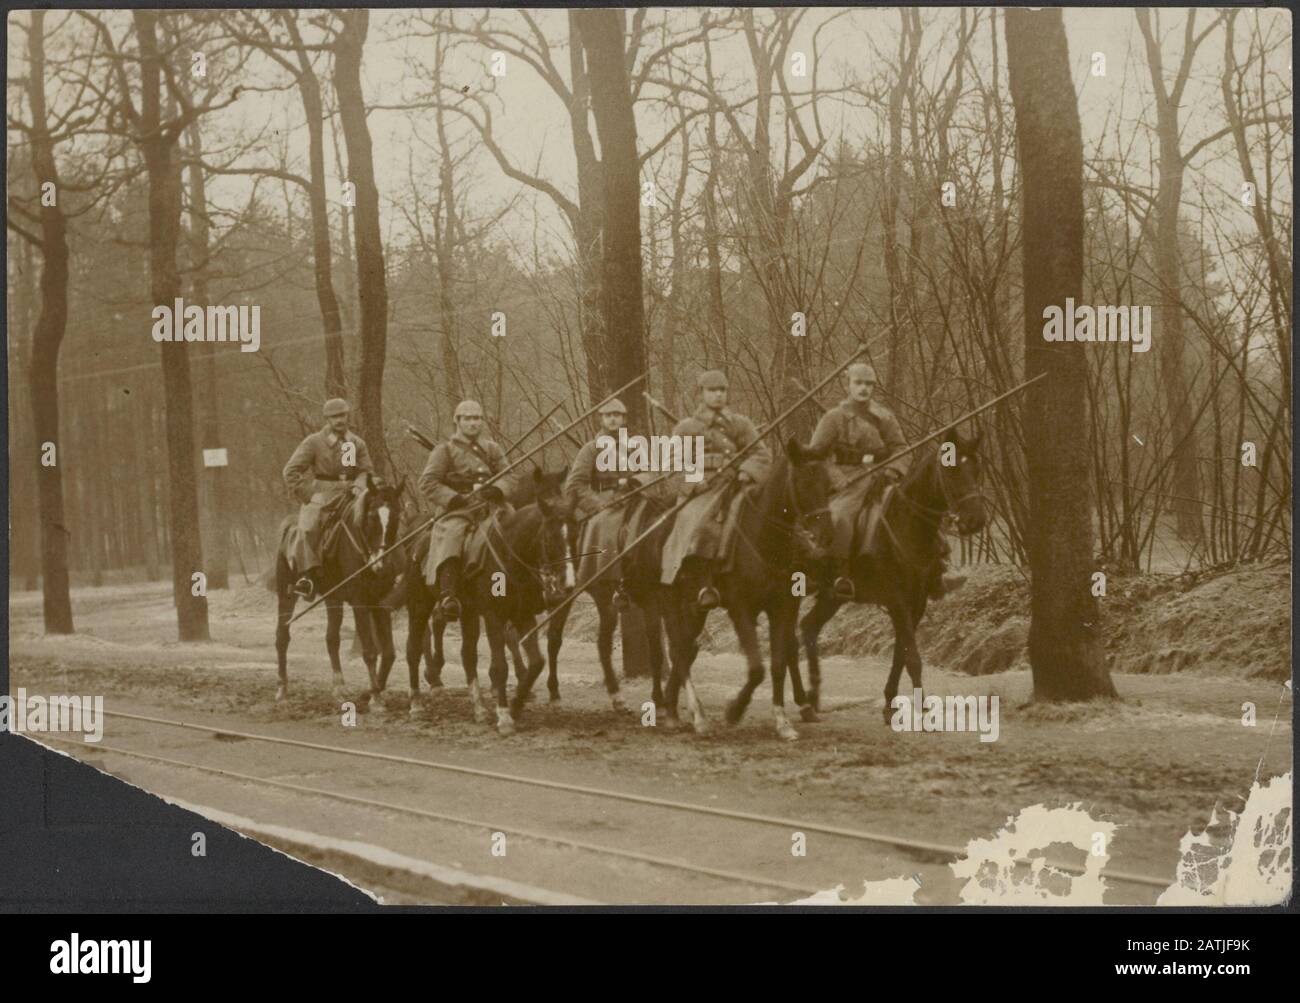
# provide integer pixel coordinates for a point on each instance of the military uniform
(457, 467)
(317, 476)
(699, 531)
(860, 435)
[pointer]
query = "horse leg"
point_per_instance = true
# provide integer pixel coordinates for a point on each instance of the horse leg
(810, 628)
(695, 623)
(382, 623)
(417, 637)
(499, 672)
(285, 602)
(554, 640)
(534, 665)
(605, 644)
(655, 650)
(522, 665)
(745, 622)
(333, 624)
(469, 628)
(781, 623)
(902, 641)
(361, 622)
(433, 654)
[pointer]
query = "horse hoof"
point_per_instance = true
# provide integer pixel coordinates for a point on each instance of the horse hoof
(667, 720)
(785, 731)
(281, 693)
(702, 726)
(413, 712)
(808, 712)
(505, 726)
(480, 715)
(616, 703)
(554, 697)
(735, 711)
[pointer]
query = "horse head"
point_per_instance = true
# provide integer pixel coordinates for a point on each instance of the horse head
(807, 488)
(958, 475)
(376, 516)
(555, 565)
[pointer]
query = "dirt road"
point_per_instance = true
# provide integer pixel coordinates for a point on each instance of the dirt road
(1155, 764)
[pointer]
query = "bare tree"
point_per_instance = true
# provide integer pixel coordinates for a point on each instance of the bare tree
(1064, 643)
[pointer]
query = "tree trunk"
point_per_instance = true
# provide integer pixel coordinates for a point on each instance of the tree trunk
(43, 377)
(322, 257)
(372, 284)
(1065, 651)
(216, 508)
(159, 149)
(611, 104)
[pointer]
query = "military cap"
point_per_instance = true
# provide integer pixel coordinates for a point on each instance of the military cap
(712, 379)
(468, 409)
(862, 371)
(335, 406)
(612, 406)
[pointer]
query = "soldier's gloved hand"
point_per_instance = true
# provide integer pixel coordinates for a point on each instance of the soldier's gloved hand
(457, 501)
(892, 475)
(745, 479)
(628, 483)
(492, 493)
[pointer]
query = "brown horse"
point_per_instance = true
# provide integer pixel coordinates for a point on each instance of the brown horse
(897, 574)
(366, 530)
(783, 530)
(525, 566)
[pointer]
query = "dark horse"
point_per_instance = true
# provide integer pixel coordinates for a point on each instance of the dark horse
(637, 513)
(908, 550)
(366, 530)
(527, 561)
(524, 492)
(784, 530)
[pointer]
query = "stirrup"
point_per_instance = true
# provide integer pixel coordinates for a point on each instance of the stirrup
(843, 588)
(304, 588)
(708, 597)
(449, 606)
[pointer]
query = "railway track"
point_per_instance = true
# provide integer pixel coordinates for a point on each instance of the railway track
(640, 805)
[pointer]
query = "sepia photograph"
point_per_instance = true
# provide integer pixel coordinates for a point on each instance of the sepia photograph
(548, 458)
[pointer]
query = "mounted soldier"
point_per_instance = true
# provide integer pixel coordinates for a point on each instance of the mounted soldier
(702, 530)
(319, 475)
(453, 482)
(861, 432)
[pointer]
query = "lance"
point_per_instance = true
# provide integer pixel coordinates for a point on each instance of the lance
(660, 407)
(934, 435)
(495, 477)
(735, 458)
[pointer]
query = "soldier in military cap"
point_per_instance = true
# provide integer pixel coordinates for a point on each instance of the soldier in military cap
(454, 483)
(321, 469)
(699, 535)
(588, 488)
(861, 432)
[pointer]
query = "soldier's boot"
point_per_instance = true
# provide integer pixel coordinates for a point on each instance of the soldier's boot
(707, 597)
(449, 585)
(305, 587)
(842, 586)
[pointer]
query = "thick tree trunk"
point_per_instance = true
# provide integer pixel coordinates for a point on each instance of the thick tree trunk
(1065, 651)
(322, 257)
(611, 103)
(159, 150)
(590, 224)
(216, 507)
(43, 377)
(372, 283)
(25, 509)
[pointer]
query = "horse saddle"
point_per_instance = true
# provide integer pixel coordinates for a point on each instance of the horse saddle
(331, 521)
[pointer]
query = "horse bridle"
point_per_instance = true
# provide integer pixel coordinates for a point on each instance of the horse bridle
(537, 572)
